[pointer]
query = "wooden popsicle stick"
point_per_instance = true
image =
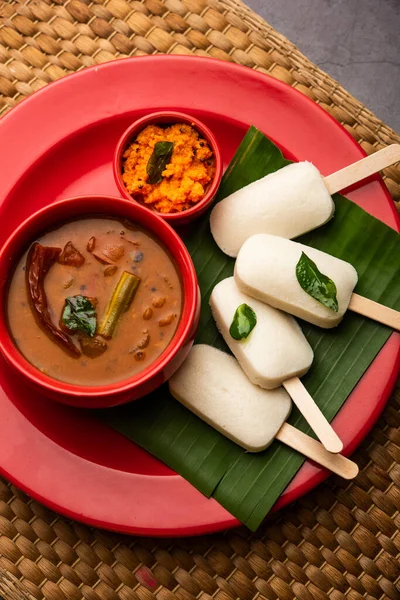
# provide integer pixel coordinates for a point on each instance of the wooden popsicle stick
(363, 168)
(374, 310)
(312, 414)
(312, 449)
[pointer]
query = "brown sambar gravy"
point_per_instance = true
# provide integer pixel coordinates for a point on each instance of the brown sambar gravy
(144, 329)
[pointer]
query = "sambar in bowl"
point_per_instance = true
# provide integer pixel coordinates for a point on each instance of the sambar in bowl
(100, 301)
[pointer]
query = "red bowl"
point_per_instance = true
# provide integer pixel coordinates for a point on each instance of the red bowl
(164, 117)
(165, 365)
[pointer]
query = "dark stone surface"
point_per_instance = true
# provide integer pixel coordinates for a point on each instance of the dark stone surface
(356, 41)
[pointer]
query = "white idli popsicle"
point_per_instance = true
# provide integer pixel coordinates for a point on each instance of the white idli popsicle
(247, 414)
(266, 269)
(275, 350)
(211, 384)
(289, 202)
(274, 353)
(287, 275)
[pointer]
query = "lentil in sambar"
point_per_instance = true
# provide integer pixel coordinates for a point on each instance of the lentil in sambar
(183, 180)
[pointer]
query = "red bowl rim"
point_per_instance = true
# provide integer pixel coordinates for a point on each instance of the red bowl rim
(163, 116)
(25, 234)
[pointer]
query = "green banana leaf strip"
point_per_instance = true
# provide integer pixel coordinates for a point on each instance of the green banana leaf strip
(181, 440)
(248, 485)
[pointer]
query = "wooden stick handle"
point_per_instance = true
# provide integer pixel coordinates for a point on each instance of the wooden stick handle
(313, 415)
(362, 169)
(312, 449)
(373, 310)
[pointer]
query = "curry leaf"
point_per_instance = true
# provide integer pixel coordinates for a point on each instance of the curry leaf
(159, 159)
(315, 283)
(79, 315)
(244, 321)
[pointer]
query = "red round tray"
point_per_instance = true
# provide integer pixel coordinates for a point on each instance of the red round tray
(59, 143)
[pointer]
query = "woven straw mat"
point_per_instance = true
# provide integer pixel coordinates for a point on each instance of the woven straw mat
(341, 541)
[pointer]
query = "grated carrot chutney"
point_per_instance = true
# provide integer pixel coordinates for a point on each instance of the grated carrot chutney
(184, 180)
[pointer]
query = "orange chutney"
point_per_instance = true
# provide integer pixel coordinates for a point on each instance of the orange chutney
(185, 178)
(103, 250)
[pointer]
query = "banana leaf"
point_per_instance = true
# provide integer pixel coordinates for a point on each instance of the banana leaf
(248, 485)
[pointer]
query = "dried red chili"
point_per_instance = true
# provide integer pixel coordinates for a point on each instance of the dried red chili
(38, 263)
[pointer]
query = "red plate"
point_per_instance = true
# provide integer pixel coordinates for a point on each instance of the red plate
(60, 143)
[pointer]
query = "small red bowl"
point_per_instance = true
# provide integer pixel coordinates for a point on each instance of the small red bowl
(163, 118)
(164, 366)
